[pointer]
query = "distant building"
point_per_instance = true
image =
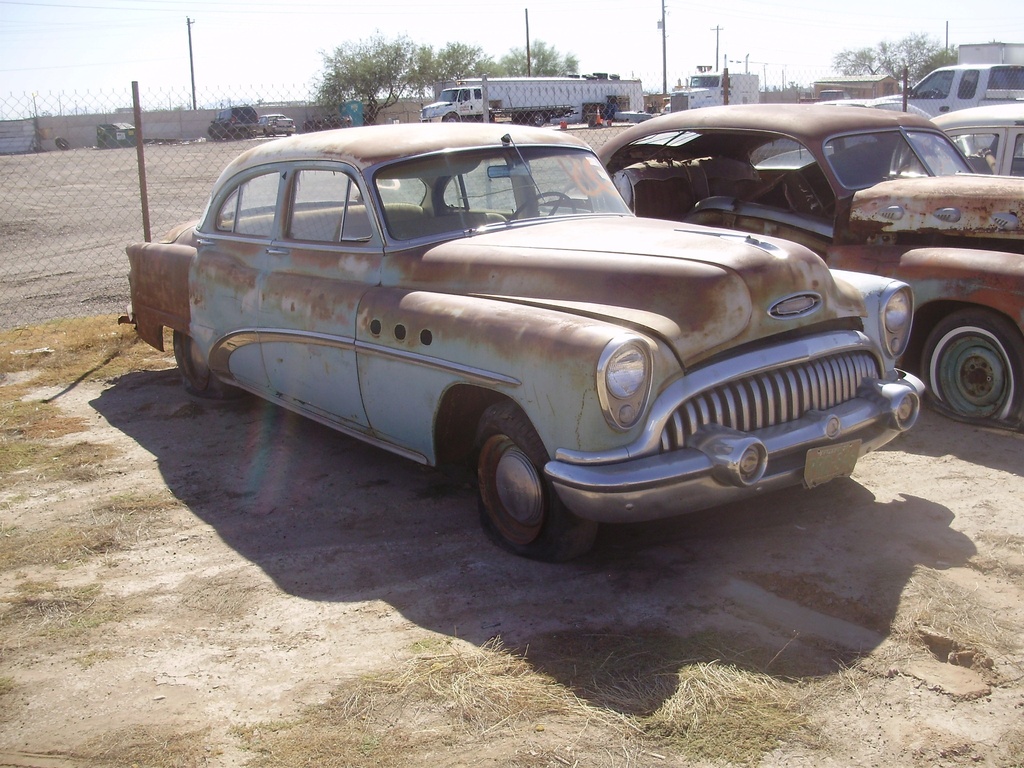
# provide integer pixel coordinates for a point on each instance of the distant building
(856, 87)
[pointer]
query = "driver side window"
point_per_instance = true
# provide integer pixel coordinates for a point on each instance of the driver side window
(935, 86)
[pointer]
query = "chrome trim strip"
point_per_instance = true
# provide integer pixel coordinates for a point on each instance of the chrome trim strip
(224, 346)
(478, 375)
(222, 349)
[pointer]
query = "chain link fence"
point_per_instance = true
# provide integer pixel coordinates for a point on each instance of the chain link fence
(71, 195)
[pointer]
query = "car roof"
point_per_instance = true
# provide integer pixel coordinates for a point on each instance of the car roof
(366, 146)
(807, 123)
(980, 117)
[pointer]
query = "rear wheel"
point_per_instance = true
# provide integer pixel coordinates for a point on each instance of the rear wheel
(519, 509)
(199, 379)
(973, 362)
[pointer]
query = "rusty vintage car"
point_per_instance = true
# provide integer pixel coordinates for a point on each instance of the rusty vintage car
(457, 292)
(869, 190)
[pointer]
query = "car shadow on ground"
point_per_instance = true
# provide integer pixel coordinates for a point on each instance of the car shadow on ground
(795, 583)
(937, 435)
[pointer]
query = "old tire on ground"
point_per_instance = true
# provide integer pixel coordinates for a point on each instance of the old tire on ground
(972, 364)
(199, 379)
(519, 509)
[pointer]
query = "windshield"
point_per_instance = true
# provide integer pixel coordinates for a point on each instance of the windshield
(704, 81)
(449, 95)
(457, 192)
(865, 159)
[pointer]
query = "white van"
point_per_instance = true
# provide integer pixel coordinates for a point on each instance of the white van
(962, 86)
(995, 133)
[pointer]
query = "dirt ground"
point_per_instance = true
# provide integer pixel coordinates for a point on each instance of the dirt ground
(265, 563)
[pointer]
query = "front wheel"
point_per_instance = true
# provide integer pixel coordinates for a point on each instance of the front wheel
(973, 363)
(199, 379)
(519, 509)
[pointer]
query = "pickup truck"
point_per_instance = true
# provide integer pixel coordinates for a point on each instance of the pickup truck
(961, 86)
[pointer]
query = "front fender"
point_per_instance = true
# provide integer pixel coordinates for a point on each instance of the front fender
(413, 346)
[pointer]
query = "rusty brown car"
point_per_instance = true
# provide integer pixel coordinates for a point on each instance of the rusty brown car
(457, 291)
(874, 191)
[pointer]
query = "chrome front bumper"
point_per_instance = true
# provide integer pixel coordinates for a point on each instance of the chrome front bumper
(719, 465)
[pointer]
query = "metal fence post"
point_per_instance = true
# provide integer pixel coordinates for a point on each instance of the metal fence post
(141, 155)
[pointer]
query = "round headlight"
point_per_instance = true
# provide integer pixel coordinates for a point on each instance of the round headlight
(897, 312)
(626, 372)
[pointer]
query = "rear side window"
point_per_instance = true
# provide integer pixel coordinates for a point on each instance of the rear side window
(968, 85)
(328, 207)
(249, 209)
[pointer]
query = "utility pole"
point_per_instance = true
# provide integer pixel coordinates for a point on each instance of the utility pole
(716, 30)
(528, 67)
(191, 64)
(664, 55)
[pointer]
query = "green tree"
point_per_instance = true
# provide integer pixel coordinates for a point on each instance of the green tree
(377, 72)
(918, 53)
(454, 61)
(545, 61)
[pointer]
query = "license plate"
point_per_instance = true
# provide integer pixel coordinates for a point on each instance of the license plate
(830, 461)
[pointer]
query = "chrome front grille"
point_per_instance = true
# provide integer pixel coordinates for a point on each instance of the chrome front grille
(772, 397)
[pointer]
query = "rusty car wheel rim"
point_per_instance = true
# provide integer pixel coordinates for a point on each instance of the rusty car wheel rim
(971, 373)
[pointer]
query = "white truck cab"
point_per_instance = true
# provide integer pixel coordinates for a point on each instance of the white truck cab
(963, 85)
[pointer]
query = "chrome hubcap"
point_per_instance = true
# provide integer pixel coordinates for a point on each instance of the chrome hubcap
(519, 488)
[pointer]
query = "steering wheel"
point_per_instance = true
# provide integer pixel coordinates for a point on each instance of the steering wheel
(543, 199)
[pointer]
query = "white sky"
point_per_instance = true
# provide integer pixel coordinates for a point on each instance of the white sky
(76, 46)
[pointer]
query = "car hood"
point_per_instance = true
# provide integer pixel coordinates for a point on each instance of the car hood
(699, 289)
(967, 205)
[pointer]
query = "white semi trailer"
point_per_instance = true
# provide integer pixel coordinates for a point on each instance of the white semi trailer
(534, 100)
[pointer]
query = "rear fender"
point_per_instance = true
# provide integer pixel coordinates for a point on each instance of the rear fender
(158, 276)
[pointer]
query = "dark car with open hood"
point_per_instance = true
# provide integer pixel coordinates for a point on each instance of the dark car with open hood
(875, 191)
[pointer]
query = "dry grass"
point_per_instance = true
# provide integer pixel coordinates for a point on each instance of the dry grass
(148, 747)
(1003, 556)
(724, 712)
(58, 355)
(45, 609)
(66, 352)
(448, 699)
(456, 698)
(934, 607)
(115, 524)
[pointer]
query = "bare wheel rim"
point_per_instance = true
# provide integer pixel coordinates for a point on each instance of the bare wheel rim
(970, 372)
(516, 502)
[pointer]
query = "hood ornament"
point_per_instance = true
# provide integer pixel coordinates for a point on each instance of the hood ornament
(797, 305)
